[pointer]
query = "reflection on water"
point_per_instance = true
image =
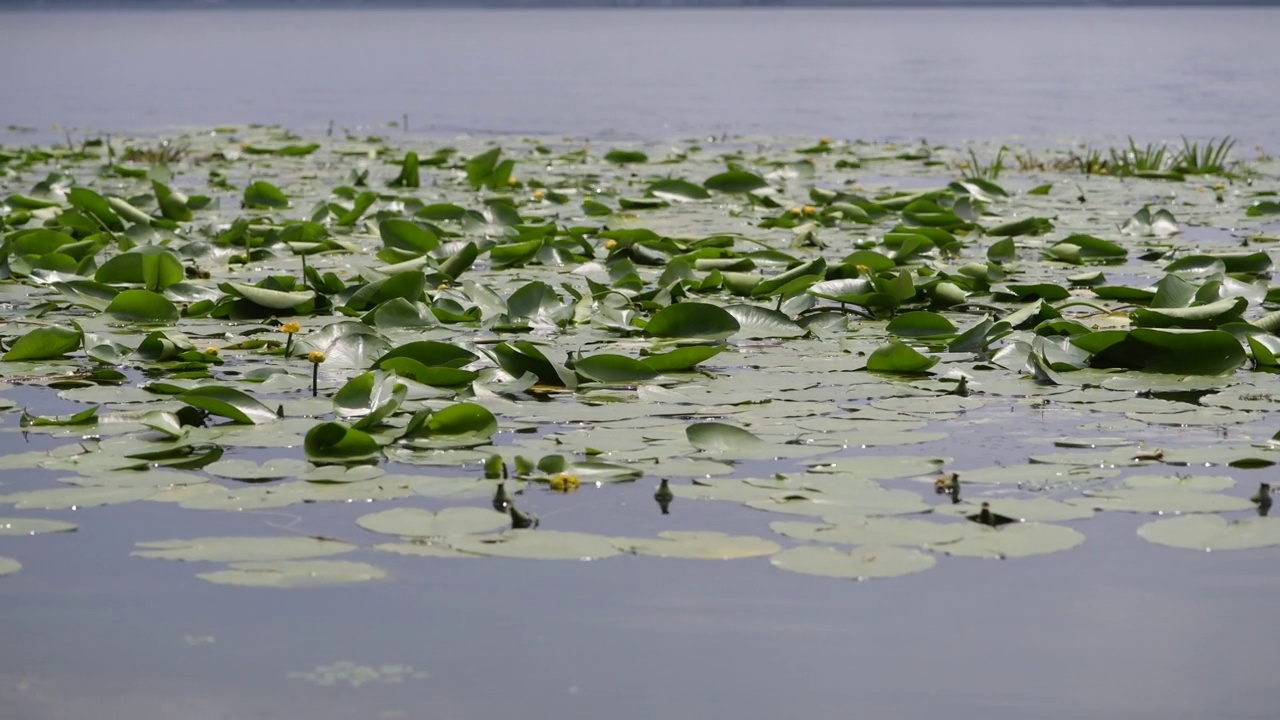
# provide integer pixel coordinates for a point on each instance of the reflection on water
(944, 75)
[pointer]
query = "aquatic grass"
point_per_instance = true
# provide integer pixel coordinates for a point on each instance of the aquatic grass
(1134, 160)
(1211, 158)
(975, 169)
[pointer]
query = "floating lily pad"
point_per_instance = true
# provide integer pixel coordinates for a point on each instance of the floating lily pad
(1146, 500)
(294, 573)
(8, 566)
(1016, 540)
(853, 530)
(414, 522)
(1033, 509)
(861, 563)
(1213, 532)
(1199, 483)
(252, 471)
(242, 549)
(419, 549)
(73, 498)
(698, 545)
(537, 545)
(33, 526)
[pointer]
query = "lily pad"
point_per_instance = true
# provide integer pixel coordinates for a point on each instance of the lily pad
(242, 549)
(8, 566)
(698, 545)
(861, 563)
(537, 545)
(33, 526)
(1213, 532)
(294, 573)
(1016, 540)
(855, 530)
(414, 522)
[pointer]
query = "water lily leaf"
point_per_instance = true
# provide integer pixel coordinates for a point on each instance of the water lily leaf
(414, 522)
(1210, 315)
(1213, 532)
(698, 545)
(335, 442)
(269, 298)
(681, 359)
(721, 438)
(921, 323)
(264, 195)
(735, 181)
(1147, 500)
(152, 266)
(676, 190)
(143, 306)
(692, 320)
(861, 563)
(880, 467)
(463, 419)
(399, 234)
(420, 549)
(1200, 483)
(294, 574)
(1024, 509)
(242, 549)
(33, 526)
(537, 545)
(845, 498)
(899, 358)
(857, 530)
(372, 397)
(72, 498)
(613, 368)
(8, 566)
(1036, 476)
(227, 402)
(758, 322)
(1016, 540)
(1186, 352)
(44, 343)
(250, 471)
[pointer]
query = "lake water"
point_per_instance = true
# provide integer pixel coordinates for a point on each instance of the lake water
(1117, 628)
(901, 75)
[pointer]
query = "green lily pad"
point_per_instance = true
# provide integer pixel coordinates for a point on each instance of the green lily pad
(33, 526)
(858, 530)
(8, 566)
(414, 522)
(294, 573)
(252, 471)
(861, 563)
(1025, 509)
(1016, 540)
(74, 498)
(1148, 500)
(1213, 532)
(537, 545)
(242, 549)
(698, 545)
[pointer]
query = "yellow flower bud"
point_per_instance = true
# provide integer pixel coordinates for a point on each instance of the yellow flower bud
(538, 194)
(211, 350)
(290, 328)
(810, 210)
(513, 180)
(316, 357)
(610, 244)
(824, 141)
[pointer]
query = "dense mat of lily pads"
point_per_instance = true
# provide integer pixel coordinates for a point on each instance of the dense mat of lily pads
(247, 319)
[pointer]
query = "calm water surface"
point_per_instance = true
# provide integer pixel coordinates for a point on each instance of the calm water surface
(944, 75)
(1117, 628)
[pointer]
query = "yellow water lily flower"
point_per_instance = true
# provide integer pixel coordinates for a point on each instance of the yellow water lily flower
(290, 328)
(316, 357)
(563, 482)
